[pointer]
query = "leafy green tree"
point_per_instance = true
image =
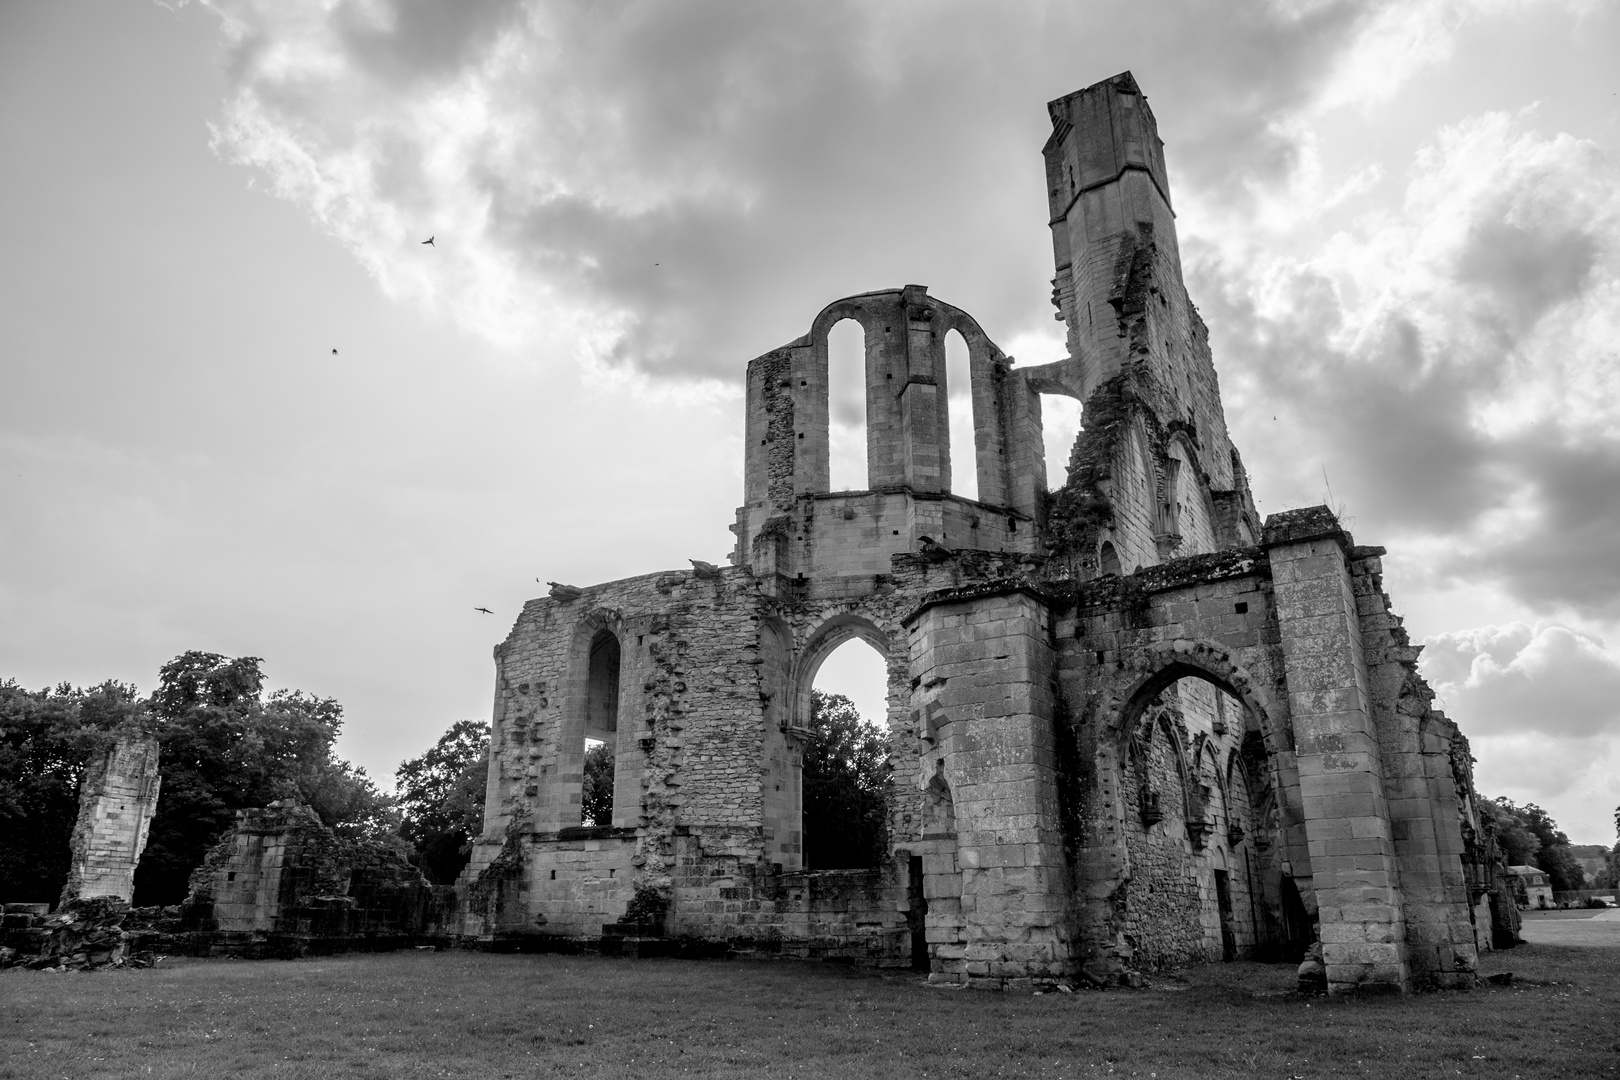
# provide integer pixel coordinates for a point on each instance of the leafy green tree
(1552, 848)
(596, 794)
(1519, 845)
(226, 746)
(845, 792)
(441, 794)
(46, 738)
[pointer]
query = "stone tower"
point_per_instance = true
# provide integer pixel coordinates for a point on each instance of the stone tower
(1155, 476)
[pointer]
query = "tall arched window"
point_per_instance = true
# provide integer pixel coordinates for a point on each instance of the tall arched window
(846, 760)
(846, 407)
(1107, 558)
(601, 730)
(959, 406)
(1060, 427)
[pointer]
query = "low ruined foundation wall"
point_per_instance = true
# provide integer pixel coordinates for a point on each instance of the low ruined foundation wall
(281, 884)
(823, 914)
(568, 891)
(575, 886)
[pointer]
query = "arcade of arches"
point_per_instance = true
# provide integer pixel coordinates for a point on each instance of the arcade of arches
(1129, 724)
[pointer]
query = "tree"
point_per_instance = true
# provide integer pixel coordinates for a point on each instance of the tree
(224, 746)
(441, 794)
(846, 781)
(596, 793)
(1519, 845)
(1552, 849)
(46, 739)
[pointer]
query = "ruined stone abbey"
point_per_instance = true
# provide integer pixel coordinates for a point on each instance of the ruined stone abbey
(1131, 725)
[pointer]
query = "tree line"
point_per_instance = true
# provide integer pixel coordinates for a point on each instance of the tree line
(227, 744)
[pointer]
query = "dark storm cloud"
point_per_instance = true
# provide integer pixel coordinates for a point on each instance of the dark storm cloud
(1525, 272)
(769, 158)
(1568, 555)
(673, 189)
(406, 40)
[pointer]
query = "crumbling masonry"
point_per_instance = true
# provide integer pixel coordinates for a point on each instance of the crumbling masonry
(1131, 726)
(118, 795)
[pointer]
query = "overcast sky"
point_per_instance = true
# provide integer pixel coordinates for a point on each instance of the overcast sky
(1401, 222)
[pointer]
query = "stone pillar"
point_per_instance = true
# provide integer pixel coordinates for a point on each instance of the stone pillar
(117, 799)
(1026, 456)
(987, 665)
(1347, 825)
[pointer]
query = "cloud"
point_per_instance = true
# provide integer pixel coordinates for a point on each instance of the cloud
(1540, 704)
(661, 192)
(671, 189)
(1545, 679)
(1451, 362)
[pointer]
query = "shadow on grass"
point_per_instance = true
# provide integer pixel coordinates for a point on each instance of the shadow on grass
(408, 1015)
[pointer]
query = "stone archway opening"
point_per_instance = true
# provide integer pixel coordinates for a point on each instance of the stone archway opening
(601, 730)
(845, 753)
(1204, 880)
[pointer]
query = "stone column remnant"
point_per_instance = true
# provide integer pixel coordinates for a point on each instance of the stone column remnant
(117, 798)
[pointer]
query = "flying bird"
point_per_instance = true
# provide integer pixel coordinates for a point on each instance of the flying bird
(334, 352)
(485, 610)
(429, 241)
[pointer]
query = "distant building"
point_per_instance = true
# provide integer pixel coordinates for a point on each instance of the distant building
(1532, 888)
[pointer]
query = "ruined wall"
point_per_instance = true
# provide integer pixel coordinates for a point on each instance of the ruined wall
(117, 798)
(1189, 817)
(281, 883)
(908, 446)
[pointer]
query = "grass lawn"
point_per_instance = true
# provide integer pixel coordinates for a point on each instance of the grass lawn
(414, 1014)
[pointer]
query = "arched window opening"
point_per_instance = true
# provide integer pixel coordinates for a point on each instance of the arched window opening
(1060, 427)
(846, 761)
(846, 407)
(1108, 558)
(959, 405)
(1184, 510)
(1205, 817)
(601, 731)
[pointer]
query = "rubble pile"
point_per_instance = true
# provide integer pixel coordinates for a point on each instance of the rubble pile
(85, 934)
